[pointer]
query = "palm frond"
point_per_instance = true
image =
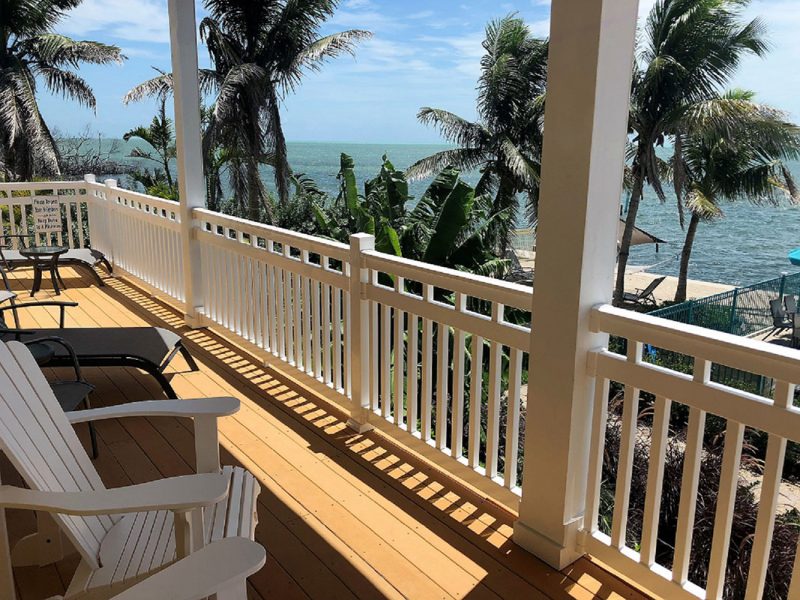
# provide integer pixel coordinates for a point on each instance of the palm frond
(453, 128)
(464, 159)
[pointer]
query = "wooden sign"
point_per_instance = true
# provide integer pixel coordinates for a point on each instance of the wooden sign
(46, 214)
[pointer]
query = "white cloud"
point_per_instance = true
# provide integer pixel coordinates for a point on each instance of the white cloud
(142, 21)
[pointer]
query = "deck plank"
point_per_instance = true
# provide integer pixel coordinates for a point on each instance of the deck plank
(341, 515)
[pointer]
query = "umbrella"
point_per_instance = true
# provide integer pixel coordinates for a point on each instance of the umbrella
(640, 236)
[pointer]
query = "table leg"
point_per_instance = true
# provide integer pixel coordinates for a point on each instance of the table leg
(37, 278)
(54, 279)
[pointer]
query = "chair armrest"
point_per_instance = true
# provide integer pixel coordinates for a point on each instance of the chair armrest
(64, 344)
(203, 407)
(61, 305)
(218, 567)
(177, 494)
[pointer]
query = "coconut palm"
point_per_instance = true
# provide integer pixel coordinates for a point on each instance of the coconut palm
(506, 142)
(260, 50)
(730, 149)
(159, 136)
(689, 51)
(32, 54)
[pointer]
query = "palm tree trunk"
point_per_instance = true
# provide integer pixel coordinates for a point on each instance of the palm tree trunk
(282, 169)
(253, 191)
(627, 236)
(686, 254)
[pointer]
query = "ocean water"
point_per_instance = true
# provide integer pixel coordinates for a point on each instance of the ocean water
(748, 245)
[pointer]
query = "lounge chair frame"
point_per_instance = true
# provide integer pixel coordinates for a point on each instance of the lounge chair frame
(86, 359)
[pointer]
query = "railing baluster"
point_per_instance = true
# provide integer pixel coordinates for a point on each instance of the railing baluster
(768, 501)
(288, 308)
(596, 455)
(386, 360)
(413, 373)
(317, 329)
(280, 312)
(337, 339)
(442, 392)
(375, 351)
(459, 351)
(308, 362)
(659, 436)
(726, 501)
(298, 321)
(630, 413)
(475, 401)
(493, 408)
(512, 422)
(690, 480)
(427, 368)
(399, 375)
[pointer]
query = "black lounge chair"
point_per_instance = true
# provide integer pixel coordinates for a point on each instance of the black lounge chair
(88, 259)
(780, 320)
(790, 302)
(644, 297)
(150, 349)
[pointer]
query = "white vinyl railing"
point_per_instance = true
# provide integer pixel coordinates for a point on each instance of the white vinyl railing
(16, 211)
(437, 359)
(282, 291)
(415, 307)
(642, 556)
(139, 234)
(290, 295)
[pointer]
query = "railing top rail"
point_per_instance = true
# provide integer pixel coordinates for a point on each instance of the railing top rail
(27, 186)
(172, 205)
(484, 288)
(730, 350)
(329, 248)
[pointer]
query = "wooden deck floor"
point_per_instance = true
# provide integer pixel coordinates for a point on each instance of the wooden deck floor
(341, 515)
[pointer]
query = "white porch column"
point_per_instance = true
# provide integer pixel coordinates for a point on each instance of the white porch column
(588, 90)
(191, 178)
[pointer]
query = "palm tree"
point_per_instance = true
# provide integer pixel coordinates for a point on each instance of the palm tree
(260, 50)
(160, 137)
(30, 53)
(731, 148)
(506, 142)
(690, 50)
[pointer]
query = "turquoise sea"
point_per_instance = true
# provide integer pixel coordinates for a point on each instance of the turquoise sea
(748, 245)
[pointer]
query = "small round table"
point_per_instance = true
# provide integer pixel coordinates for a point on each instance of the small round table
(45, 258)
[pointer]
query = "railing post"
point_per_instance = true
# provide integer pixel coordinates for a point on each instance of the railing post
(586, 122)
(783, 286)
(359, 332)
(734, 302)
(191, 178)
(110, 208)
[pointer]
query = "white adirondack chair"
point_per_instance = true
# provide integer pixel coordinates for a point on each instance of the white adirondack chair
(221, 568)
(123, 535)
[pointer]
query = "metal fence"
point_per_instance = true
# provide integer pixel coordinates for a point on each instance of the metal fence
(743, 311)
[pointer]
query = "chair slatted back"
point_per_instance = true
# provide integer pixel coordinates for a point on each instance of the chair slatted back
(778, 314)
(43, 446)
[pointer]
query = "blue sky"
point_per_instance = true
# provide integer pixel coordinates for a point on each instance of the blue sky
(424, 53)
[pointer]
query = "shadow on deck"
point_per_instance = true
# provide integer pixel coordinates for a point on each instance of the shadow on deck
(342, 515)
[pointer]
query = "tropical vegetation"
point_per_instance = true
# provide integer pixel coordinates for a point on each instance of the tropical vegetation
(159, 148)
(450, 225)
(260, 51)
(506, 143)
(689, 50)
(730, 148)
(32, 54)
